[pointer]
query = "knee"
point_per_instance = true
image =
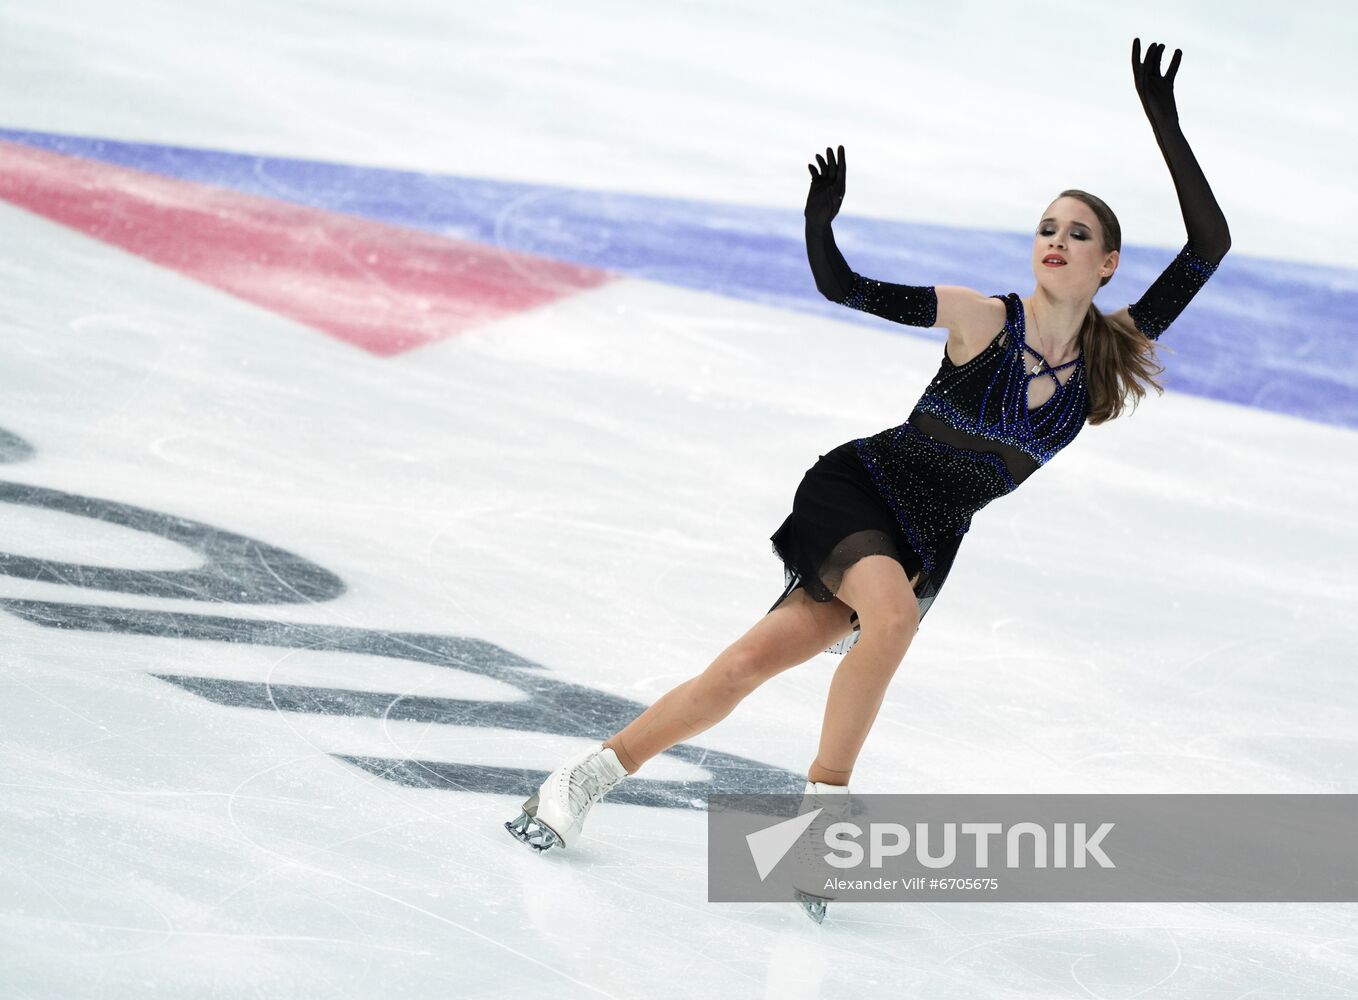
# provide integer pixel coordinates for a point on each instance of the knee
(896, 624)
(739, 670)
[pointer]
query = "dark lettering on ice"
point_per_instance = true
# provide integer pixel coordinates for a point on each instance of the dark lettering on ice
(240, 570)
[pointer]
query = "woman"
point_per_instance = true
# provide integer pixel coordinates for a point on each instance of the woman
(876, 523)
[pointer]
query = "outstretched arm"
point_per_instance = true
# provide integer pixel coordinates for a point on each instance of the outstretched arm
(1209, 238)
(915, 305)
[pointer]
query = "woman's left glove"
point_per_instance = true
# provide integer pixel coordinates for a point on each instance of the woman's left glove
(1155, 90)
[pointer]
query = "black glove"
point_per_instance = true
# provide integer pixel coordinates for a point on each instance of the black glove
(1156, 91)
(1206, 225)
(827, 188)
(831, 271)
(1209, 238)
(915, 305)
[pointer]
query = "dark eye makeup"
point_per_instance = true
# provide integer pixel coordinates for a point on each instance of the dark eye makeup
(1047, 231)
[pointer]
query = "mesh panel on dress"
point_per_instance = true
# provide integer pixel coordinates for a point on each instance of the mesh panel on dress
(849, 550)
(1020, 464)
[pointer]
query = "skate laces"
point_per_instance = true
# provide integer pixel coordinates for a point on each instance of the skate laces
(588, 782)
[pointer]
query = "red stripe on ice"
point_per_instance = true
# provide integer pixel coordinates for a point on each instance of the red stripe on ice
(381, 287)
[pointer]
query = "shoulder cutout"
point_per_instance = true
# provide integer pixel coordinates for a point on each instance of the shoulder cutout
(987, 323)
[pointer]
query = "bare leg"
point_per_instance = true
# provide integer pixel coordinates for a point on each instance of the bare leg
(790, 634)
(695, 705)
(875, 586)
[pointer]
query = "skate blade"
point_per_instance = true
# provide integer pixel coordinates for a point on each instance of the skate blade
(528, 829)
(814, 906)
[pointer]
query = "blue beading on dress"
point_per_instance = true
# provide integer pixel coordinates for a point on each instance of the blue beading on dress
(1001, 412)
(972, 438)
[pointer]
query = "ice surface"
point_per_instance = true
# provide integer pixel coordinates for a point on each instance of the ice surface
(289, 628)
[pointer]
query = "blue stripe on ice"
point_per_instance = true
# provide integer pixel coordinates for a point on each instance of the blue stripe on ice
(1276, 335)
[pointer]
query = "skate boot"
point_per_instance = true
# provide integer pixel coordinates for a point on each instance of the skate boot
(555, 814)
(808, 872)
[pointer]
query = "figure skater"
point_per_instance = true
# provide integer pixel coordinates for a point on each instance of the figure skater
(876, 522)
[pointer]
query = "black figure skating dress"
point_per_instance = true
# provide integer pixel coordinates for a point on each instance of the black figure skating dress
(910, 491)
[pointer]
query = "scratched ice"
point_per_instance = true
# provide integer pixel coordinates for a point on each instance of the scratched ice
(396, 399)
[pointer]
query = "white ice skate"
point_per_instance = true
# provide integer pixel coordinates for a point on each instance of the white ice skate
(555, 814)
(808, 871)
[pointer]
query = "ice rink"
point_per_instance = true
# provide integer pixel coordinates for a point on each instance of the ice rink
(397, 398)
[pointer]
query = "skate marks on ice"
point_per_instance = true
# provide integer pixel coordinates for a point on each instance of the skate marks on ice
(237, 569)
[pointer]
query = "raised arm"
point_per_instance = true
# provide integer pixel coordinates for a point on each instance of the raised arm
(955, 307)
(1209, 238)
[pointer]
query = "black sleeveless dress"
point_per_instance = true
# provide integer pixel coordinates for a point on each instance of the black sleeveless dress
(909, 492)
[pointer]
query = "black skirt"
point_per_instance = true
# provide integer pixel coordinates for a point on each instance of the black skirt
(838, 517)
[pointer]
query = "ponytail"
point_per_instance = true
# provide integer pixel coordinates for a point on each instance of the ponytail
(1120, 360)
(1120, 365)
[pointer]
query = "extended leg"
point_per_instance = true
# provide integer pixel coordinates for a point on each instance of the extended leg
(790, 634)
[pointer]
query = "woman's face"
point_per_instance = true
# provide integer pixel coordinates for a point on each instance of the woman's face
(1069, 231)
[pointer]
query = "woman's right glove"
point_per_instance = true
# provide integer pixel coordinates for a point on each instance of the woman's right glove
(914, 305)
(827, 188)
(833, 277)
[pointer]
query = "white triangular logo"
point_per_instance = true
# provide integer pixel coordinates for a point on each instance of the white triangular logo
(768, 846)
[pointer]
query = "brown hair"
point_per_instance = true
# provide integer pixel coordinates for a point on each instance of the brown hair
(1120, 360)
